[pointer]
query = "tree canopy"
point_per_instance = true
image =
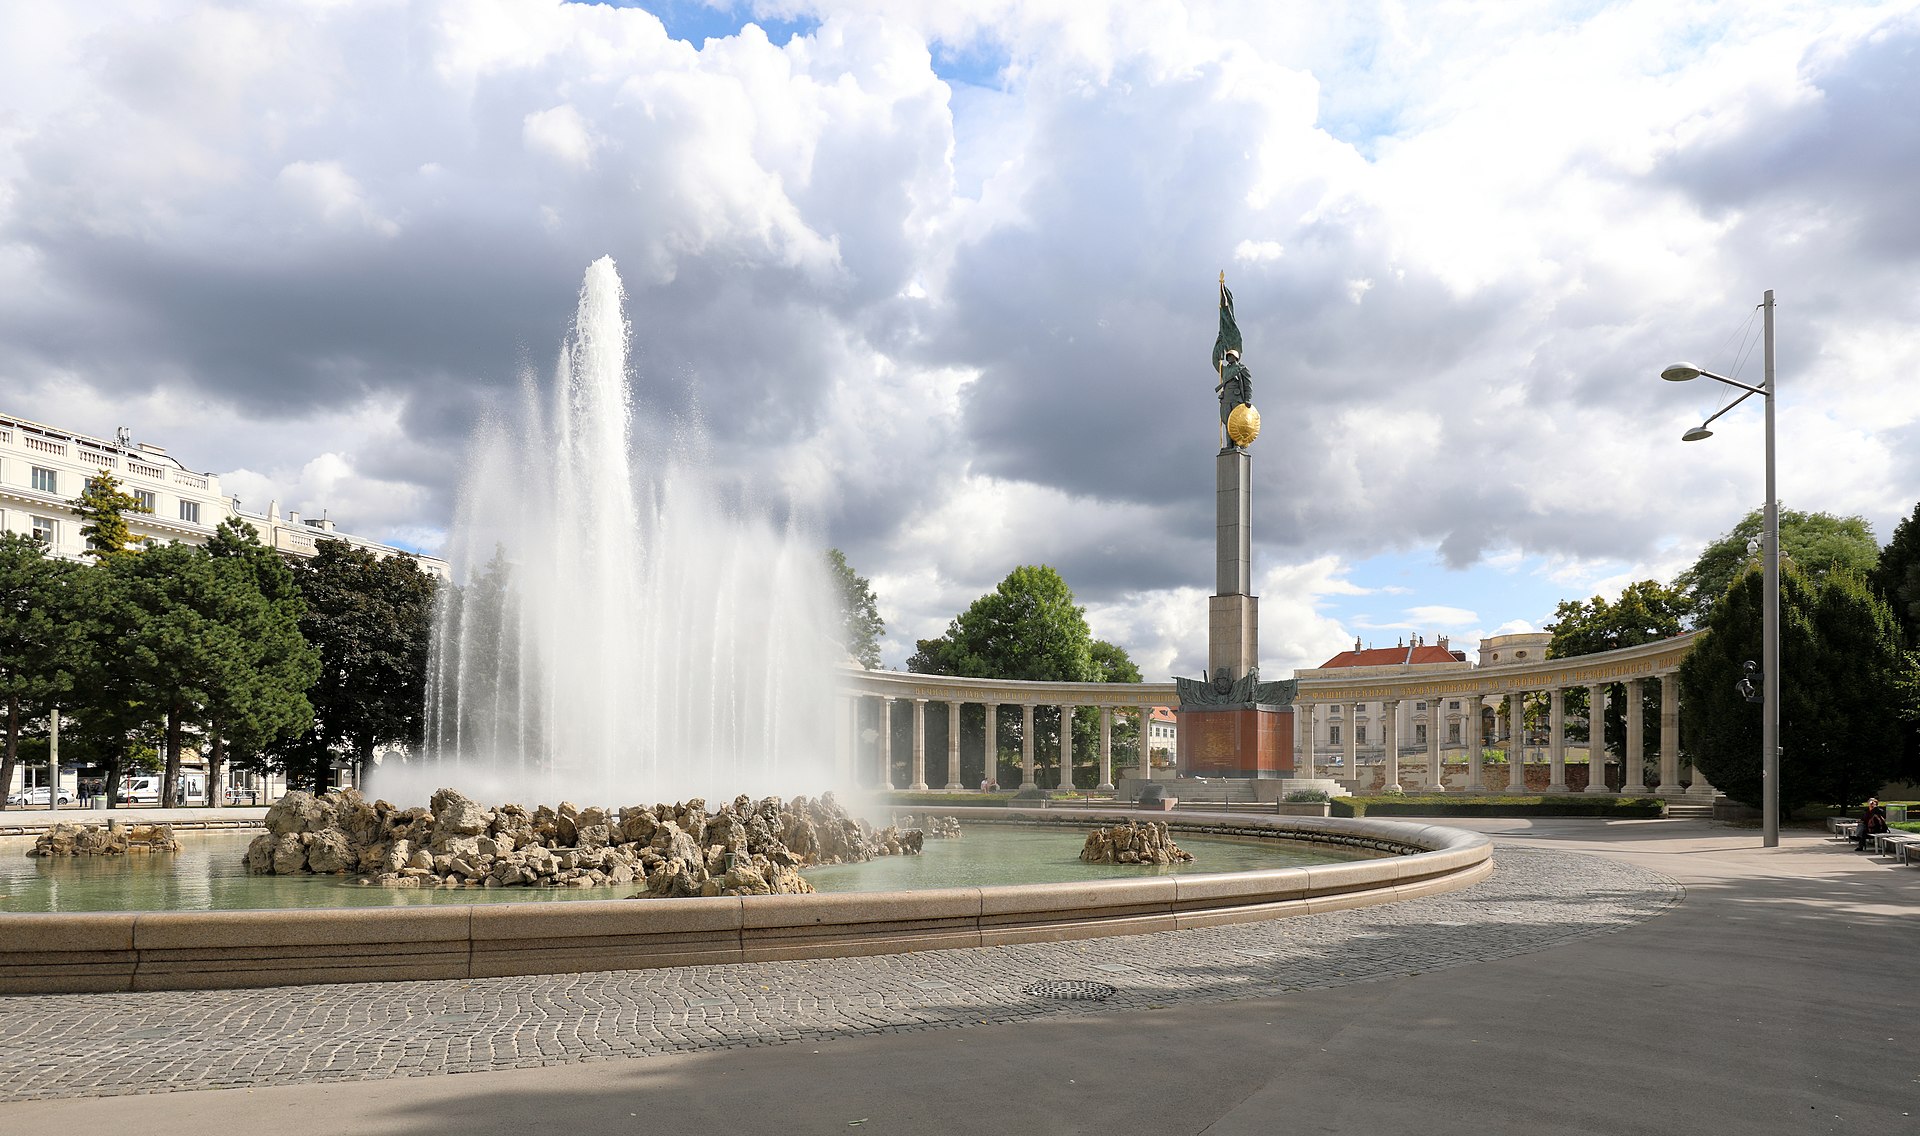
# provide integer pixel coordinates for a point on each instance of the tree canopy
(103, 507)
(37, 641)
(1647, 611)
(371, 621)
(1897, 576)
(1845, 686)
(859, 614)
(1816, 543)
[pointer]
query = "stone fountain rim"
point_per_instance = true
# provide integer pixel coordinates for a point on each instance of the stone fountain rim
(43, 952)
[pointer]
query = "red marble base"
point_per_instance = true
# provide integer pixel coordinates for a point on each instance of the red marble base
(1236, 743)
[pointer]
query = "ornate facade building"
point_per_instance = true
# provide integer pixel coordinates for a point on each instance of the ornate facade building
(43, 468)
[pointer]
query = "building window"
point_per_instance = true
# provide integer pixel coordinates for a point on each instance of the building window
(46, 480)
(147, 498)
(1419, 706)
(190, 512)
(45, 531)
(1360, 735)
(1420, 734)
(1333, 734)
(1453, 732)
(1453, 706)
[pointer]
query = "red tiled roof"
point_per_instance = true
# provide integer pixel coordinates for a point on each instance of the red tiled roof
(1164, 714)
(1392, 656)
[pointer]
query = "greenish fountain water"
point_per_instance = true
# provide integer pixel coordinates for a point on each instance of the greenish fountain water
(207, 873)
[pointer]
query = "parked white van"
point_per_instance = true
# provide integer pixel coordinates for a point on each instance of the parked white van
(144, 789)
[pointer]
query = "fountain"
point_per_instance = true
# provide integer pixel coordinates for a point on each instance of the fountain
(630, 626)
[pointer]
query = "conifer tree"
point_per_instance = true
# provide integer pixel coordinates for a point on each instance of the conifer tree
(103, 507)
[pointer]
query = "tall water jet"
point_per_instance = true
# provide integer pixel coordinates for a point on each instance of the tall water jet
(624, 630)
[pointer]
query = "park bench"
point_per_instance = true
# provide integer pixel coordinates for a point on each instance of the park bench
(1847, 831)
(1896, 843)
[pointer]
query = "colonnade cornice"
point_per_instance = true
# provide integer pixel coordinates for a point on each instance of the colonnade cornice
(1646, 661)
(954, 688)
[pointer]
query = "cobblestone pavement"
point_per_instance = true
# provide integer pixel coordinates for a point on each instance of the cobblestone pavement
(57, 1046)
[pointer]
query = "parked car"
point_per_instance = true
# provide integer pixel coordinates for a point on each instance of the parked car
(38, 796)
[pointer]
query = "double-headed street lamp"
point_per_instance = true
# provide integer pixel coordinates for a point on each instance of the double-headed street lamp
(1770, 627)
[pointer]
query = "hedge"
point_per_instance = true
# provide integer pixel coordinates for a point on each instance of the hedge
(908, 798)
(1492, 806)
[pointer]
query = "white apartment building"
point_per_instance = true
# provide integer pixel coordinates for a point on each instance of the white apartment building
(43, 468)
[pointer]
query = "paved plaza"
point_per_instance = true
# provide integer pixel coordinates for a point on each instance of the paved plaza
(1610, 977)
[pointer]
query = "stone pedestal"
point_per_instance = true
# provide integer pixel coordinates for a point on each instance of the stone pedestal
(1236, 743)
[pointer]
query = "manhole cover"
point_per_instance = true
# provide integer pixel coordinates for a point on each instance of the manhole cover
(1073, 990)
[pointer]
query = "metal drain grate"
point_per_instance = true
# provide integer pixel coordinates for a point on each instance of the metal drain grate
(1072, 990)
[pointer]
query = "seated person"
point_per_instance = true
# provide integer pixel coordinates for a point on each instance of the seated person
(1873, 819)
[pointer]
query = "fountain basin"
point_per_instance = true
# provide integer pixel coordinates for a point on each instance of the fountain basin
(57, 953)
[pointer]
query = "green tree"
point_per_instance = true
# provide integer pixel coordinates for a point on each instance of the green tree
(1845, 686)
(371, 620)
(1815, 542)
(38, 650)
(103, 507)
(113, 718)
(1897, 576)
(1029, 628)
(859, 614)
(252, 706)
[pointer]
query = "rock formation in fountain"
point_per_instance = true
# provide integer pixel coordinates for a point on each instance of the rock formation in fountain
(1133, 843)
(745, 847)
(115, 839)
(631, 619)
(936, 828)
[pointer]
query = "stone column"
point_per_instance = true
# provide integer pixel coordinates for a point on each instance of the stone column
(1470, 735)
(919, 744)
(1349, 749)
(953, 746)
(1066, 746)
(1106, 749)
(886, 743)
(1635, 775)
(1669, 735)
(1597, 739)
(1390, 740)
(1701, 789)
(853, 736)
(1557, 740)
(1302, 738)
(1436, 725)
(1146, 743)
(1026, 747)
(1517, 742)
(991, 752)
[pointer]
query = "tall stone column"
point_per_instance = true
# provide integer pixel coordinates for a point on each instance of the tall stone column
(991, 750)
(886, 743)
(1145, 754)
(1557, 740)
(1597, 739)
(1517, 742)
(1026, 747)
(1066, 746)
(1634, 777)
(853, 736)
(1106, 749)
(1436, 723)
(1470, 734)
(1233, 615)
(953, 746)
(1302, 738)
(1669, 735)
(1390, 724)
(1350, 749)
(919, 744)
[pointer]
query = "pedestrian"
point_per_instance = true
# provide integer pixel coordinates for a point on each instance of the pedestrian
(1873, 819)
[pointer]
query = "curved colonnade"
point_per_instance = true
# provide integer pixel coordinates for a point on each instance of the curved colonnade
(177, 950)
(870, 700)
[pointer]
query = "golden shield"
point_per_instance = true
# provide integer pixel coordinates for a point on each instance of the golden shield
(1243, 424)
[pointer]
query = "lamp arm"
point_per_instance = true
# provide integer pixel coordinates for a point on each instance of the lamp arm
(1751, 391)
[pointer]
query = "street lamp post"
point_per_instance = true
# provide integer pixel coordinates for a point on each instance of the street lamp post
(1770, 622)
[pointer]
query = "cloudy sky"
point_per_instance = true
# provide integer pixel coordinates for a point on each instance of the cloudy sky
(943, 271)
